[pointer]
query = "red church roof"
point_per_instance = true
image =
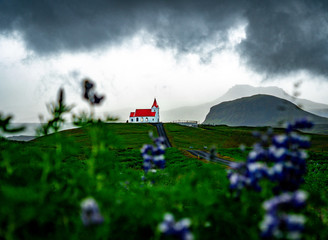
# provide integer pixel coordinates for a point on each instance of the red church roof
(155, 103)
(143, 113)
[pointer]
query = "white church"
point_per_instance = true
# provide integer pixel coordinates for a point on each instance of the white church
(145, 115)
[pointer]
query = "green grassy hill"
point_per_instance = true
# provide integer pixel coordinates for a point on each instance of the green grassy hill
(129, 135)
(226, 139)
(43, 182)
(126, 139)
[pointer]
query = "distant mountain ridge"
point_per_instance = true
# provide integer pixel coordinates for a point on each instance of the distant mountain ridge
(239, 91)
(258, 110)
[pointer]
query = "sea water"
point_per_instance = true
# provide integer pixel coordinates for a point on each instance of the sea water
(30, 129)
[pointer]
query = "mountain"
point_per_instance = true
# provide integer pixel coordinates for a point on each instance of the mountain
(199, 112)
(258, 110)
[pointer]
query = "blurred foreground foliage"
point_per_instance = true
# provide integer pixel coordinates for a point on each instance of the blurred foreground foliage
(43, 182)
(57, 111)
(42, 186)
(5, 125)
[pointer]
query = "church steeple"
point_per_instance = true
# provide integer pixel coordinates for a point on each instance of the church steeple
(155, 104)
(155, 108)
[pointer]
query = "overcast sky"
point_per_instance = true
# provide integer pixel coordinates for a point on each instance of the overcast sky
(183, 52)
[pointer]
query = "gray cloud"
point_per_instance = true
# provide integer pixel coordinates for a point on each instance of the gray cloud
(52, 26)
(53, 80)
(285, 36)
(282, 36)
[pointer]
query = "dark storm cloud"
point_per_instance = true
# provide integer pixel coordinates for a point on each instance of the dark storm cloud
(282, 36)
(51, 26)
(286, 36)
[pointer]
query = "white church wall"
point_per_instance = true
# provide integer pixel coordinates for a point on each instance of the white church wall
(143, 119)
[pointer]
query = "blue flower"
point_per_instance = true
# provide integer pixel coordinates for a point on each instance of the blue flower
(153, 155)
(275, 220)
(90, 214)
(178, 229)
(280, 141)
(281, 159)
(303, 123)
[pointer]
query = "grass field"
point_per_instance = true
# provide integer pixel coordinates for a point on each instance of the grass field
(227, 140)
(43, 182)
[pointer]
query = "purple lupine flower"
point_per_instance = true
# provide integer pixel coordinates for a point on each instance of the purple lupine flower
(273, 225)
(294, 200)
(90, 213)
(294, 222)
(280, 141)
(282, 159)
(153, 155)
(237, 181)
(270, 226)
(246, 175)
(146, 152)
(274, 220)
(237, 176)
(256, 171)
(303, 123)
(277, 154)
(299, 141)
(258, 153)
(287, 154)
(178, 229)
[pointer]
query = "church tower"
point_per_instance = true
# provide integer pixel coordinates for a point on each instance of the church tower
(155, 108)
